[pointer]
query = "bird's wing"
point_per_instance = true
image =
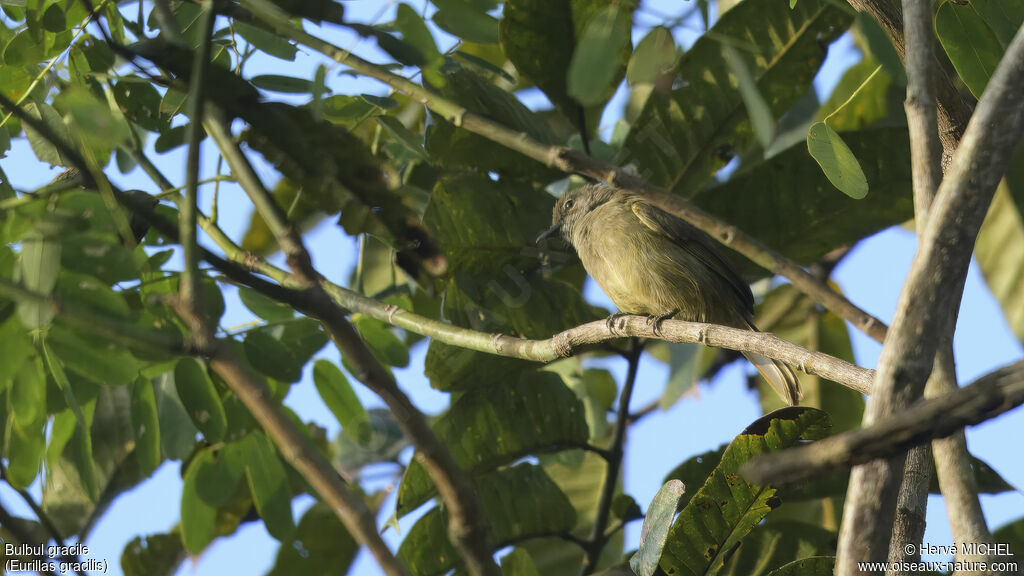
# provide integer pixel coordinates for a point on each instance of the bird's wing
(696, 243)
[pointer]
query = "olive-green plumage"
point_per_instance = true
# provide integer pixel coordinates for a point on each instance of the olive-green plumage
(650, 262)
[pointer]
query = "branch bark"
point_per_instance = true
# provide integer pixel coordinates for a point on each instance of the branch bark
(987, 397)
(572, 161)
(935, 284)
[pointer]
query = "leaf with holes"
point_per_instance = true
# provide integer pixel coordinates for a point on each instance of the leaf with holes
(727, 507)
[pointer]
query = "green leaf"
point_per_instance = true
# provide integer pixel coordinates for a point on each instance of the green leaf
(596, 62)
(1003, 16)
(98, 254)
(519, 503)
(385, 345)
(770, 546)
(40, 263)
(26, 442)
(470, 25)
(518, 563)
(539, 38)
(320, 545)
(95, 466)
(152, 555)
(694, 471)
(655, 529)
(265, 307)
(281, 352)
(16, 350)
(537, 414)
(726, 508)
(456, 147)
(268, 484)
(1000, 251)
(265, 40)
(837, 160)
(757, 109)
(415, 32)
(88, 293)
(284, 84)
(878, 101)
(140, 102)
(813, 566)
(385, 443)
(93, 119)
(177, 433)
(681, 139)
(405, 137)
(198, 519)
(97, 360)
(653, 58)
(765, 200)
(972, 46)
(146, 423)
(199, 397)
(342, 401)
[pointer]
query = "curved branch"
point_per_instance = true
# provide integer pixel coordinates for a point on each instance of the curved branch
(930, 300)
(985, 398)
(571, 161)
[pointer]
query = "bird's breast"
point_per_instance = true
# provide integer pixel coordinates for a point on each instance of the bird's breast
(640, 271)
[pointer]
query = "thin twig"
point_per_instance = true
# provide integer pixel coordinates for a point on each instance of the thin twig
(10, 523)
(598, 538)
(930, 300)
(987, 397)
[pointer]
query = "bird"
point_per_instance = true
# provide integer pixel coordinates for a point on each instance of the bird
(650, 262)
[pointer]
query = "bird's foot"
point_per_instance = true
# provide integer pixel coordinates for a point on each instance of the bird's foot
(654, 321)
(610, 321)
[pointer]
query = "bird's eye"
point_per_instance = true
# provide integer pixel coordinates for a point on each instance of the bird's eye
(568, 204)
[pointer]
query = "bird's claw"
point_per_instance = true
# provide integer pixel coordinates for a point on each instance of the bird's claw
(655, 321)
(610, 321)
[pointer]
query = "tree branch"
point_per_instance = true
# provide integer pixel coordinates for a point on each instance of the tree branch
(572, 161)
(467, 525)
(985, 398)
(598, 538)
(930, 300)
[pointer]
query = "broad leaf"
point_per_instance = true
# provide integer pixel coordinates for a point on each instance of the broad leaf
(320, 545)
(772, 545)
(681, 139)
(971, 44)
(1000, 253)
(659, 518)
(495, 425)
(813, 566)
(727, 507)
(200, 398)
(837, 161)
(519, 503)
(767, 199)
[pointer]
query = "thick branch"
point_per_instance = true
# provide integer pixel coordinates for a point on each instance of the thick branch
(987, 397)
(571, 161)
(930, 300)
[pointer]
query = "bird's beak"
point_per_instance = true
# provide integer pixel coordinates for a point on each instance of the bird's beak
(550, 232)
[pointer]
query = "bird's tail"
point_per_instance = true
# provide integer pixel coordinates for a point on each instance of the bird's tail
(779, 375)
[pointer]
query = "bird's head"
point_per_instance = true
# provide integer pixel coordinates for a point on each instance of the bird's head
(571, 209)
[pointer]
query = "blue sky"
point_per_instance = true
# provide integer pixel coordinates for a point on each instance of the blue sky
(871, 276)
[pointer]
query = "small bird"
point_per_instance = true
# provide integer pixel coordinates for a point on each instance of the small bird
(650, 262)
